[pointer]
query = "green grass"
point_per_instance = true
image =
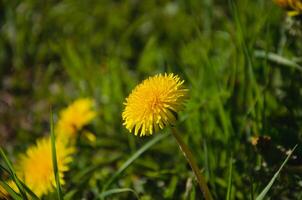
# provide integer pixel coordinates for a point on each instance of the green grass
(239, 59)
(131, 160)
(264, 192)
(54, 157)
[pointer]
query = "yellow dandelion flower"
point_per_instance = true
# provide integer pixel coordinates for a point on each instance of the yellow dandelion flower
(153, 104)
(35, 166)
(294, 7)
(74, 117)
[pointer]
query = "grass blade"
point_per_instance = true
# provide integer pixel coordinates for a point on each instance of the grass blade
(10, 191)
(29, 191)
(13, 174)
(118, 190)
(70, 194)
(54, 159)
(133, 158)
(229, 191)
(277, 59)
(3, 169)
(269, 185)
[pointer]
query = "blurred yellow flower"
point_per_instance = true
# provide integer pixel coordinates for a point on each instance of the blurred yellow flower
(74, 117)
(153, 104)
(294, 7)
(35, 167)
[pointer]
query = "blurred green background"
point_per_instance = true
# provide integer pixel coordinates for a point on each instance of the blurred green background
(240, 59)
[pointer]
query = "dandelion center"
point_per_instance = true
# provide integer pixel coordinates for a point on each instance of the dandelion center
(153, 104)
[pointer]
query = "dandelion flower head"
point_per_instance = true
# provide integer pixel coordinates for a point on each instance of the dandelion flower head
(75, 116)
(153, 104)
(35, 166)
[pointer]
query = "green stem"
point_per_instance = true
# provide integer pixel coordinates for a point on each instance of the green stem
(192, 162)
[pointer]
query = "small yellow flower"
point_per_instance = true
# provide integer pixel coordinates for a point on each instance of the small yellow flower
(153, 104)
(74, 117)
(294, 7)
(35, 167)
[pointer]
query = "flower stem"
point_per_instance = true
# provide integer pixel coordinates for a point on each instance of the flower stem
(192, 162)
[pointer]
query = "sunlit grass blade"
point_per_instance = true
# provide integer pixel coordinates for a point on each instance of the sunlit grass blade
(10, 191)
(117, 191)
(13, 174)
(277, 59)
(229, 191)
(29, 191)
(133, 158)
(70, 195)
(54, 159)
(269, 185)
